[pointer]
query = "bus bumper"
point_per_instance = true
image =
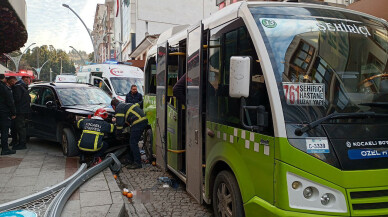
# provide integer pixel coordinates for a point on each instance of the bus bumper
(259, 207)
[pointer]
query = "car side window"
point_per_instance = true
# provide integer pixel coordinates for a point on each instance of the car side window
(47, 95)
(34, 94)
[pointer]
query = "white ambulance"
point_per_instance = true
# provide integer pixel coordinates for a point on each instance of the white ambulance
(114, 78)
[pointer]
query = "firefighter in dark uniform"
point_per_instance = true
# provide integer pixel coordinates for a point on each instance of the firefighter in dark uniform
(93, 131)
(133, 116)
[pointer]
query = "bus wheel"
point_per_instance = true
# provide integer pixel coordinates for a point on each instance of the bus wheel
(147, 144)
(227, 199)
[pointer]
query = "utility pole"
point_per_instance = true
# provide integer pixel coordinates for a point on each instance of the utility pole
(37, 56)
(61, 67)
(121, 29)
(51, 75)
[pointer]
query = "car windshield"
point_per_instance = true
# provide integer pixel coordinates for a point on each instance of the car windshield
(325, 61)
(122, 86)
(83, 96)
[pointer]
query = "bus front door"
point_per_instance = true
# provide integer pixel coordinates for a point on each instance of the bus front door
(193, 117)
(161, 150)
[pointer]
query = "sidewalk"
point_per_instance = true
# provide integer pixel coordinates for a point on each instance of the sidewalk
(43, 165)
(152, 199)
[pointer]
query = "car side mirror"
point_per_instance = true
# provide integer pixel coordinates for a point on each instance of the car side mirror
(50, 104)
(239, 80)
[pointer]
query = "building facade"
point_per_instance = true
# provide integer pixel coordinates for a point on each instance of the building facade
(133, 22)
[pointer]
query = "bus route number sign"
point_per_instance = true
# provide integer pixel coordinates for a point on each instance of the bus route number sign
(304, 94)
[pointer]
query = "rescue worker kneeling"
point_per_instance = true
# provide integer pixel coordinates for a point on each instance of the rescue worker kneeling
(133, 116)
(93, 131)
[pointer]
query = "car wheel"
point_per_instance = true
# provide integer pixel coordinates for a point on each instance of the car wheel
(147, 144)
(69, 145)
(227, 199)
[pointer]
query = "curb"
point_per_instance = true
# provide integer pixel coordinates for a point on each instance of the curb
(118, 206)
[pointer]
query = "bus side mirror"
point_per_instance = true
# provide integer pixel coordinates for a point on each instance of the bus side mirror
(240, 70)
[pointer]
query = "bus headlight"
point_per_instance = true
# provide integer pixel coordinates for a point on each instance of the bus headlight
(308, 195)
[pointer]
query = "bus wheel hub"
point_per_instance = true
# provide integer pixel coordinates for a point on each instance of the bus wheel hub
(224, 200)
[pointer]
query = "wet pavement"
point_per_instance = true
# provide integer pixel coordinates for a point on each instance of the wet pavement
(153, 198)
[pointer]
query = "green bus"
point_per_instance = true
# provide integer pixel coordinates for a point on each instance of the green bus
(285, 111)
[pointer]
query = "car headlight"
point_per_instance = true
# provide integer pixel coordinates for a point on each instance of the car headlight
(309, 195)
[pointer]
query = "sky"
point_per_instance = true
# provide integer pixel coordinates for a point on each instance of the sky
(49, 23)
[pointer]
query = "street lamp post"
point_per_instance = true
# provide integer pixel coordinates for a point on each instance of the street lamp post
(61, 66)
(79, 54)
(16, 59)
(87, 29)
(39, 69)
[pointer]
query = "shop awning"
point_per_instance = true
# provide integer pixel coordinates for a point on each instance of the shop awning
(13, 33)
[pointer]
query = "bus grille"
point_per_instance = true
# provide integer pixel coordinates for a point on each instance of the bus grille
(369, 202)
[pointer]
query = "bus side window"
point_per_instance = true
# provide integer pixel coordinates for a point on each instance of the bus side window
(150, 76)
(220, 107)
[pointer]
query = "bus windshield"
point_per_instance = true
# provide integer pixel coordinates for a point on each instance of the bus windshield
(122, 85)
(325, 61)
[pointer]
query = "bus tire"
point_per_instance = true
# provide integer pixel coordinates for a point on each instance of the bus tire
(69, 144)
(227, 199)
(147, 144)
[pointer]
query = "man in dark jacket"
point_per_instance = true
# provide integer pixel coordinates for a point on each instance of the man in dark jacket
(7, 112)
(134, 97)
(132, 115)
(22, 101)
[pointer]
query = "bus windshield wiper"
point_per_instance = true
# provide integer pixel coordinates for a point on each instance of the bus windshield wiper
(301, 130)
(375, 104)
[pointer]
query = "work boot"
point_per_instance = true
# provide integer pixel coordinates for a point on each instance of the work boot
(7, 152)
(19, 147)
(134, 166)
(97, 160)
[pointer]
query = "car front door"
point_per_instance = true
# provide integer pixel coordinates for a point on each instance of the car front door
(98, 82)
(33, 119)
(46, 113)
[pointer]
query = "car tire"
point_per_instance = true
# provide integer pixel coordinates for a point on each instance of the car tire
(69, 144)
(147, 144)
(227, 199)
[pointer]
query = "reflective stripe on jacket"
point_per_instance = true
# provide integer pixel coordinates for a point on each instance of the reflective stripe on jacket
(93, 131)
(128, 113)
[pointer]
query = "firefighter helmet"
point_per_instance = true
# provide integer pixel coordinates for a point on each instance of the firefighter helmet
(101, 112)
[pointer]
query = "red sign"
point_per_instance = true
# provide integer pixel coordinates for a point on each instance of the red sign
(116, 72)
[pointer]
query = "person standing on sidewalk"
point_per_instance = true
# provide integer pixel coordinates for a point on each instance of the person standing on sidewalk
(132, 115)
(22, 101)
(134, 97)
(7, 113)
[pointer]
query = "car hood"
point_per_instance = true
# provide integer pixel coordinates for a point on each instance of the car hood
(87, 109)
